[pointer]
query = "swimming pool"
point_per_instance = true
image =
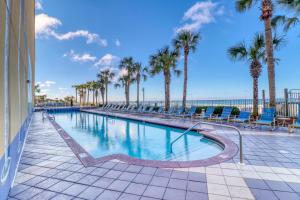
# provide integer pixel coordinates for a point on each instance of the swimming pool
(102, 135)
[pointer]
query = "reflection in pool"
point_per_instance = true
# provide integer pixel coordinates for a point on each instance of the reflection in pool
(103, 135)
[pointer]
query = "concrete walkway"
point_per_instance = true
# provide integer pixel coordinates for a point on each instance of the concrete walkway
(50, 170)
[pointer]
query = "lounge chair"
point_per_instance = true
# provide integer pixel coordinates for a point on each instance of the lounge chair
(208, 113)
(116, 107)
(159, 111)
(225, 115)
(243, 118)
(296, 123)
(144, 110)
(267, 118)
(139, 109)
(107, 107)
(170, 112)
(150, 110)
(191, 112)
(179, 112)
(120, 108)
(111, 107)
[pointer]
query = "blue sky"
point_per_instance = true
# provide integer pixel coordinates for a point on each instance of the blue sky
(77, 38)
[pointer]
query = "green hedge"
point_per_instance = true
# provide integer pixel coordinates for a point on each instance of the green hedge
(218, 110)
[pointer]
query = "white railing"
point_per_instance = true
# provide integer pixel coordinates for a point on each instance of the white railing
(214, 124)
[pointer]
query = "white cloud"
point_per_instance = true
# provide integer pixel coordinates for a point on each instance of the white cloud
(118, 43)
(85, 57)
(200, 14)
(45, 26)
(108, 61)
(49, 83)
(38, 5)
(62, 89)
(90, 37)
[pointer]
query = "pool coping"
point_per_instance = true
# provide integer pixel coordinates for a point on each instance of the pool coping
(230, 148)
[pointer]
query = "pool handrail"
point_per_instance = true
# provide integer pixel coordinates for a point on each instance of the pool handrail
(213, 124)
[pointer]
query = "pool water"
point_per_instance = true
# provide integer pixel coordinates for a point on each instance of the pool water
(102, 135)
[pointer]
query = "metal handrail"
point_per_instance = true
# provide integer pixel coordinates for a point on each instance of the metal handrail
(214, 124)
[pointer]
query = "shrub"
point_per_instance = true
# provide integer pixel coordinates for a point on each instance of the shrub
(218, 110)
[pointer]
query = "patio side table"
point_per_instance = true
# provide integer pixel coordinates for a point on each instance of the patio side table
(283, 121)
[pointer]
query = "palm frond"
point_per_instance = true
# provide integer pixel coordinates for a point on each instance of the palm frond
(243, 5)
(258, 41)
(278, 20)
(177, 72)
(238, 52)
(290, 22)
(293, 5)
(278, 41)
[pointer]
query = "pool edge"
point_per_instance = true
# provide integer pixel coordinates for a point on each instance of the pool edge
(230, 150)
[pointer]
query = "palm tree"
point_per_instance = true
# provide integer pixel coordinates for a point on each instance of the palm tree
(165, 61)
(187, 41)
(37, 89)
(107, 76)
(291, 4)
(140, 72)
(266, 15)
(123, 81)
(93, 88)
(76, 91)
(101, 84)
(254, 55)
(287, 21)
(127, 78)
(81, 93)
(88, 88)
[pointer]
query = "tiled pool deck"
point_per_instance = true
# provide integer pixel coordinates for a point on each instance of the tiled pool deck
(50, 170)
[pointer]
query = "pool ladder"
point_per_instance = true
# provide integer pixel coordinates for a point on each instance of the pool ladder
(214, 124)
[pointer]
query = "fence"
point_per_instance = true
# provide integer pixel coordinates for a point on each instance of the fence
(286, 106)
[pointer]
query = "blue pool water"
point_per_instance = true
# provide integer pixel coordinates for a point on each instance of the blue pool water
(103, 135)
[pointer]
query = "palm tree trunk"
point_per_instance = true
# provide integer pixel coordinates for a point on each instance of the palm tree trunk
(96, 96)
(102, 96)
(88, 96)
(270, 62)
(76, 95)
(127, 93)
(80, 94)
(138, 92)
(167, 90)
(93, 97)
(255, 97)
(106, 92)
(185, 80)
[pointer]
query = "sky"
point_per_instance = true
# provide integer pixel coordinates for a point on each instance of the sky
(75, 39)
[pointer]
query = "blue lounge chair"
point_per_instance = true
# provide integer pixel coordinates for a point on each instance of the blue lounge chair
(159, 111)
(244, 117)
(139, 109)
(103, 107)
(179, 111)
(171, 111)
(208, 113)
(150, 110)
(191, 112)
(267, 118)
(108, 107)
(225, 115)
(296, 123)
